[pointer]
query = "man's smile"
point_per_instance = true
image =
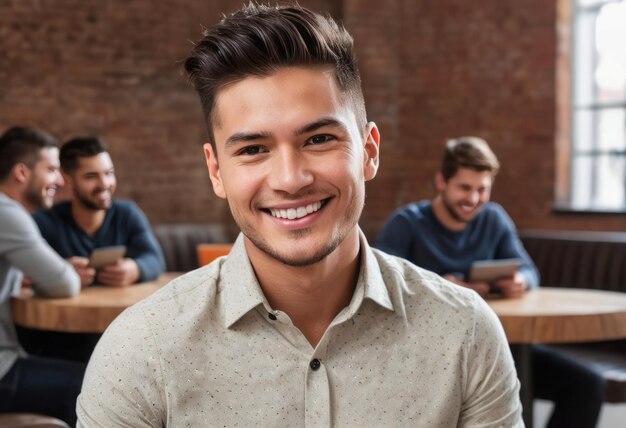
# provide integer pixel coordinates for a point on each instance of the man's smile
(297, 212)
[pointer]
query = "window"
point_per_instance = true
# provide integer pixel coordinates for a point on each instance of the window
(598, 155)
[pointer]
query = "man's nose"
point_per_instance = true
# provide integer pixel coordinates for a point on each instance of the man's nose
(105, 181)
(290, 171)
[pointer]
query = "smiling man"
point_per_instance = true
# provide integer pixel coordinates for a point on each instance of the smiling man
(461, 226)
(302, 324)
(29, 178)
(93, 219)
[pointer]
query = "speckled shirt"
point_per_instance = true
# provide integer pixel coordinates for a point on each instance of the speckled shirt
(207, 350)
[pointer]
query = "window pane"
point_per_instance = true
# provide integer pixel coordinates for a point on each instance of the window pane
(583, 130)
(610, 185)
(598, 170)
(598, 182)
(611, 129)
(584, 59)
(610, 36)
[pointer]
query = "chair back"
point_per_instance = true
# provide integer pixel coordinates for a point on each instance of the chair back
(209, 252)
(30, 420)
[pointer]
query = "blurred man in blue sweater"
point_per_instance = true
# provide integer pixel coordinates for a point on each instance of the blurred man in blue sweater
(460, 226)
(93, 219)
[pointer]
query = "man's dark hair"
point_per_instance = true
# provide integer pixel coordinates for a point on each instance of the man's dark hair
(22, 144)
(258, 40)
(82, 147)
(468, 152)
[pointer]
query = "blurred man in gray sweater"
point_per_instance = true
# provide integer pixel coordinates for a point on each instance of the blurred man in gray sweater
(29, 177)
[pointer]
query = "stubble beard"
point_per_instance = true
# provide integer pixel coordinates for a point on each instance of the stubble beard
(37, 199)
(35, 195)
(337, 237)
(90, 205)
(451, 209)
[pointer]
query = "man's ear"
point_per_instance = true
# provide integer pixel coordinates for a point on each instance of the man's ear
(67, 179)
(371, 151)
(214, 170)
(440, 182)
(21, 173)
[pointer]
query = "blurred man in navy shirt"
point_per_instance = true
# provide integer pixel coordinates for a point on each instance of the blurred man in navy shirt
(93, 219)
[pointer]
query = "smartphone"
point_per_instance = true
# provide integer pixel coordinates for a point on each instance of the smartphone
(105, 256)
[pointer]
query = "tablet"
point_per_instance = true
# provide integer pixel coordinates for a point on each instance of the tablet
(491, 270)
(105, 256)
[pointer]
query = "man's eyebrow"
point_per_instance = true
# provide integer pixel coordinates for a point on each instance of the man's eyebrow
(327, 121)
(242, 137)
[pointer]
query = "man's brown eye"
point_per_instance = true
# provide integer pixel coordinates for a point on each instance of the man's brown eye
(251, 150)
(318, 139)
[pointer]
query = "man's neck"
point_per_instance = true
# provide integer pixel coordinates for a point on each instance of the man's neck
(18, 196)
(87, 219)
(311, 295)
(443, 216)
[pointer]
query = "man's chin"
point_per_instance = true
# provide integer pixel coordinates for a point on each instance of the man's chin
(296, 258)
(97, 205)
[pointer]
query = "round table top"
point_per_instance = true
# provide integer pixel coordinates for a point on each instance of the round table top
(91, 311)
(557, 315)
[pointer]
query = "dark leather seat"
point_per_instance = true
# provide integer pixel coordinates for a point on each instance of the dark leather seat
(577, 259)
(582, 259)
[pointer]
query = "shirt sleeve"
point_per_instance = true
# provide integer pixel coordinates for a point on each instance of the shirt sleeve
(510, 247)
(143, 247)
(25, 249)
(123, 384)
(491, 395)
(396, 236)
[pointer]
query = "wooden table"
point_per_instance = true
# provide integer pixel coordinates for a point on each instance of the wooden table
(557, 315)
(91, 311)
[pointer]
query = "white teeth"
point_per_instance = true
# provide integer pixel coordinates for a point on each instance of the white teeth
(294, 213)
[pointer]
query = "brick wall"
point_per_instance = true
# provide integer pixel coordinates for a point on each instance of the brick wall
(431, 71)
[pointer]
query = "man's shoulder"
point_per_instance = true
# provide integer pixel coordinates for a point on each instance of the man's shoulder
(126, 209)
(182, 300)
(494, 215)
(124, 205)
(414, 211)
(15, 218)
(413, 286)
(59, 212)
(416, 207)
(494, 209)
(8, 205)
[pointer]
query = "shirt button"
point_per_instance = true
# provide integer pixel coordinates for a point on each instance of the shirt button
(271, 316)
(315, 364)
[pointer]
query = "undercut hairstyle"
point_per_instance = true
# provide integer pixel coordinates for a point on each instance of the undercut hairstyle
(82, 147)
(468, 152)
(22, 144)
(258, 40)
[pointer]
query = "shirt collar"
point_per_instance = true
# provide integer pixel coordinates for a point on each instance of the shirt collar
(242, 293)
